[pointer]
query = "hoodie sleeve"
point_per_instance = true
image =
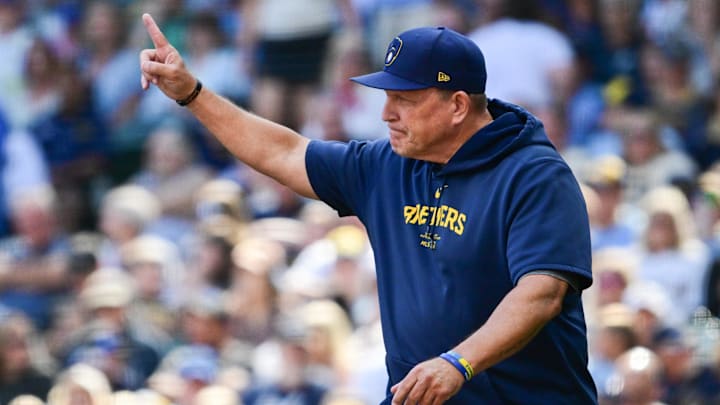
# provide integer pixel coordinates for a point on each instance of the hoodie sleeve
(338, 173)
(548, 223)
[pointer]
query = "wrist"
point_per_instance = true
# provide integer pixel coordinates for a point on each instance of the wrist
(192, 96)
(460, 363)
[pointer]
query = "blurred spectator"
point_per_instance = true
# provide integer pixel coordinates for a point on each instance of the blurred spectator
(169, 171)
(531, 63)
(554, 118)
(221, 68)
(125, 213)
(672, 255)
(582, 25)
(338, 266)
(347, 110)
(618, 65)
(42, 95)
(292, 40)
(74, 141)
(26, 400)
(198, 368)
(707, 214)
(337, 397)
(111, 68)
(158, 275)
(268, 198)
(662, 19)
(676, 99)
(18, 373)
(614, 337)
(653, 310)
(327, 332)
(367, 378)
(684, 380)
(637, 380)
(68, 316)
(252, 298)
(205, 325)
(33, 263)
(15, 41)
(613, 270)
(108, 340)
(608, 228)
(289, 380)
(211, 266)
(22, 167)
(389, 17)
(649, 163)
(220, 210)
(217, 395)
(80, 384)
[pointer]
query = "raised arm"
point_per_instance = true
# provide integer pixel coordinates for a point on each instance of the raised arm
(267, 147)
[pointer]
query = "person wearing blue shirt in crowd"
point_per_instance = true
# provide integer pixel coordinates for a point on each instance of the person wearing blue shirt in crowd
(479, 229)
(4, 216)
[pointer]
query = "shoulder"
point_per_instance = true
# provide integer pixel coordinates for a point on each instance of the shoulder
(367, 149)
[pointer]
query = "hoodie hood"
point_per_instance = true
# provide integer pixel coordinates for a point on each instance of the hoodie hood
(512, 128)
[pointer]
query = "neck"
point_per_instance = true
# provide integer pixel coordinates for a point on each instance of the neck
(467, 129)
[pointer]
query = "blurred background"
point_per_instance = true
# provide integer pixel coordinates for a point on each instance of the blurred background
(141, 264)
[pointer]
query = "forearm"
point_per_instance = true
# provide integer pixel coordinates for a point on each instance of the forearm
(46, 275)
(267, 147)
(515, 322)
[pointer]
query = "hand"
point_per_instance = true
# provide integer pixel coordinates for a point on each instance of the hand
(429, 383)
(163, 65)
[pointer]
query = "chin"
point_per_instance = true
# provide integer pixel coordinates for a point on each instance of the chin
(398, 150)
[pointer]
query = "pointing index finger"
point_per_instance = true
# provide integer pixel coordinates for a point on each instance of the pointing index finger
(156, 35)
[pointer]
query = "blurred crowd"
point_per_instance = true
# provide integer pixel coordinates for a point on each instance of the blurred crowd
(141, 264)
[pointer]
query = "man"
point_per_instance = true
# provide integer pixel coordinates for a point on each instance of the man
(479, 229)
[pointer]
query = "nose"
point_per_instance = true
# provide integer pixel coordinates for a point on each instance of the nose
(388, 112)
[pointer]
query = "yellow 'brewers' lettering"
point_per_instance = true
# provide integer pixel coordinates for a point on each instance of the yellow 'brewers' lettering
(452, 216)
(409, 212)
(460, 227)
(443, 216)
(423, 215)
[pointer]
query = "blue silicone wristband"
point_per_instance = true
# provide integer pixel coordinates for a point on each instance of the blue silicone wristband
(456, 363)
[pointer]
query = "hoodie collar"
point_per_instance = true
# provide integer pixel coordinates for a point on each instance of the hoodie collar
(512, 128)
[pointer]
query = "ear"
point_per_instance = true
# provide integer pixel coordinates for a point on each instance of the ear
(461, 106)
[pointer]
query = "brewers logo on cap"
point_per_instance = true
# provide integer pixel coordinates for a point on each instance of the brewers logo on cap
(393, 51)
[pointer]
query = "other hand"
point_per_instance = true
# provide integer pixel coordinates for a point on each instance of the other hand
(431, 382)
(163, 65)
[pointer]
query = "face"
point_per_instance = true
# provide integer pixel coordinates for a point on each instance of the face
(662, 232)
(35, 224)
(419, 122)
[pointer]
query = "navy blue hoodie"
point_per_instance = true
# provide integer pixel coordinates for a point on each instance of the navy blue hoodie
(450, 241)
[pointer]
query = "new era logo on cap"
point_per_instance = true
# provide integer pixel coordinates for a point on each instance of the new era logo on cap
(430, 57)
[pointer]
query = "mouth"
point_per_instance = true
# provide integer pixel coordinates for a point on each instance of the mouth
(395, 132)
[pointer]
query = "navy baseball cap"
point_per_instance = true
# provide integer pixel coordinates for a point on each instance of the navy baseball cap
(430, 57)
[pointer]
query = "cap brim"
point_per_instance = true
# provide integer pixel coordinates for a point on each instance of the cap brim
(388, 81)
